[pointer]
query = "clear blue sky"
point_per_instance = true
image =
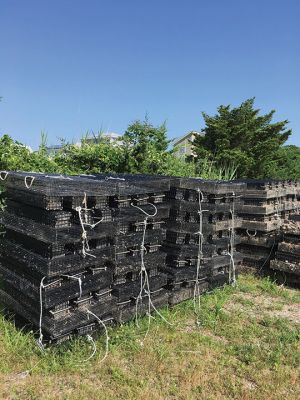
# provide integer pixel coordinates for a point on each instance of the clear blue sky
(68, 66)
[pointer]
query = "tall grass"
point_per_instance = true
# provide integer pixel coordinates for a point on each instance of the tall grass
(210, 169)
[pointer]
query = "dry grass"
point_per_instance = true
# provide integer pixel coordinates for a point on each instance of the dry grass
(246, 348)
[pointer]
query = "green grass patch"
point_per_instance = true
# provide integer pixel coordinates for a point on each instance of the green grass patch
(239, 350)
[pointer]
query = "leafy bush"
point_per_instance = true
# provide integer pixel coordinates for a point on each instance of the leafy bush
(230, 149)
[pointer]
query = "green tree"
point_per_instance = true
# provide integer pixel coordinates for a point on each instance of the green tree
(286, 164)
(242, 137)
(144, 145)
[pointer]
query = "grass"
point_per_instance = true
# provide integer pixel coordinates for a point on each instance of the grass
(247, 347)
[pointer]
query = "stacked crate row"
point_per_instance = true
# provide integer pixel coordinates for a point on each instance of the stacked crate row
(71, 252)
(265, 205)
(201, 236)
(80, 252)
(286, 264)
(138, 251)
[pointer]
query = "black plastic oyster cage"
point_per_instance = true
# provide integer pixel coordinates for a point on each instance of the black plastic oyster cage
(131, 290)
(35, 264)
(56, 219)
(61, 319)
(57, 290)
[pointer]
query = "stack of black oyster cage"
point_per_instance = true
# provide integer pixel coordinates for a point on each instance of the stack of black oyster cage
(71, 253)
(286, 264)
(201, 236)
(266, 203)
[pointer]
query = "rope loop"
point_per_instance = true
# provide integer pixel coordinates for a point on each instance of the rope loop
(3, 175)
(144, 277)
(251, 234)
(145, 212)
(28, 185)
(201, 195)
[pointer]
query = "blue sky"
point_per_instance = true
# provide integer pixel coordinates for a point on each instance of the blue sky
(69, 66)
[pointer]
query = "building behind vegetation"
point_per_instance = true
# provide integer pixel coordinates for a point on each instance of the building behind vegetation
(183, 147)
(111, 137)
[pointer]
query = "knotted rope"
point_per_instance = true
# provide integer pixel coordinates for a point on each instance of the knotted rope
(85, 242)
(197, 292)
(144, 278)
(232, 269)
(40, 339)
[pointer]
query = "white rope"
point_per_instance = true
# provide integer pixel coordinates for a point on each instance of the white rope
(251, 234)
(31, 182)
(3, 177)
(142, 273)
(84, 240)
(52, 283)
(232, 275)
(106, 336)
(85, 243)
(84, 202)
(85, 208)
(90, 339)
(196, 295)
(114, 178)
(77, 278)
(58, 177)
(94, 176)
(143, 211)
(40, 339)
(144, 278)
(92, 226)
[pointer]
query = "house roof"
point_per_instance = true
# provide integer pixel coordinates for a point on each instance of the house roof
(187, 136)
